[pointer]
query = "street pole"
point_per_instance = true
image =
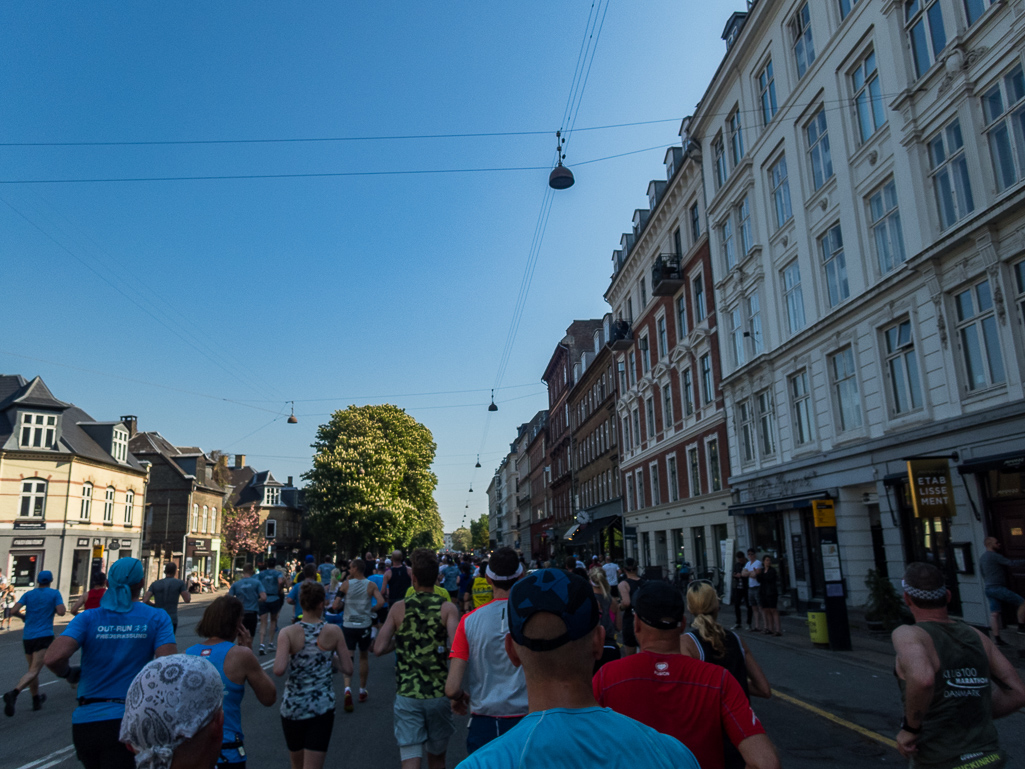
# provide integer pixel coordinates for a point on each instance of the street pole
(824, 513)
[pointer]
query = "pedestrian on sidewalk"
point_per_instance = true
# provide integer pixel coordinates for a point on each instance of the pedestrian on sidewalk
(555, 635)
(164, 593)
(945, 670)
(739, 596)
(273, 582)
(308, 705)
(357, 592)
(768, 597)
(481, 678)
(91, 599)
(993, 566)
(627, 588)
(249, 590)
(117, 640)
(751, 571)
(40, 605)
(228, 646)
(420, 629)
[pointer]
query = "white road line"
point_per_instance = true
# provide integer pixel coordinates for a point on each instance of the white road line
(62, 753)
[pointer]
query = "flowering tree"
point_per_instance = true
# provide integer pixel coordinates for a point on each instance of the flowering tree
(240, 530)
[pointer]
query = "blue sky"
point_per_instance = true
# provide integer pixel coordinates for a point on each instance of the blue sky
(236, 296)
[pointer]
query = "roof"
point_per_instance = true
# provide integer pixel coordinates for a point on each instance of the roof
(152, 442)
(248, 484)
(14, 389)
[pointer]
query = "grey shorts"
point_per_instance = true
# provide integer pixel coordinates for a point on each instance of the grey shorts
(423, 722)
(753, 596)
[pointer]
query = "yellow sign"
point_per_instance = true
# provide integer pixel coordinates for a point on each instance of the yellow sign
(824, 511)
(932, 493)
(97, 551)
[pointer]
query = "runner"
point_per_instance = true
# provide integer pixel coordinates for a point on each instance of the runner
(325, 570)
(608, 610)
(420, 630)
(273, 582)
(380, 608)
(229, 648)
(91, 600)
(249, 590)
(496, 691)
(993, 566)
(40, 605)
(117, 640)
(165, 593)
(611, 571)
(944, 669)
(308, 705)
(693, 701)
(627, 588)
(450, 576)
(465, 586)
(397, 579)
(358, 592)
(751, 571)
(309, 574)
(554, 635)
(481, 590)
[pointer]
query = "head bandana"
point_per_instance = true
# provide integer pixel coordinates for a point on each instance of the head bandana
(925, 595)
(504, 578)
(170, 700)
(122, 575)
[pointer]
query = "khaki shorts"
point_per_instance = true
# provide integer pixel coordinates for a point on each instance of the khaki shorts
(423, 721)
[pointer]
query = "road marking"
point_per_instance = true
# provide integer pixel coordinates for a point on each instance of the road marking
(837, 720)
(36, 764)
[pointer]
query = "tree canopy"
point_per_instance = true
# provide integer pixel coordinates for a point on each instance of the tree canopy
(240, 530)
(461, 540)
(371, 482)
(479, 533)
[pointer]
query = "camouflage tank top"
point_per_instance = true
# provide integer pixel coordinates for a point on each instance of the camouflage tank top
(421, 648)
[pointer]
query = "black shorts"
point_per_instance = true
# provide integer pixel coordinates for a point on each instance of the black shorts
(308, 733)
(98, 745)
(629, 639)
(357, 636)
(249, 622)
(270, 607)
(33, 645)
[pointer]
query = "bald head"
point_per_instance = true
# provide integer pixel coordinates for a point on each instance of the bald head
(396, 556)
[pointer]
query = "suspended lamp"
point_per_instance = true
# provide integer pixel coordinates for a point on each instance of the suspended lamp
(492, 407)
(478, 461)
(561, 178)
(292, 420)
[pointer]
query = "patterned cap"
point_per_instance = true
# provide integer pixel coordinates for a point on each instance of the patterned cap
(557, 592)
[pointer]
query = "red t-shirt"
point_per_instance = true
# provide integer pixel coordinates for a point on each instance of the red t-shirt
(677, 695)
(92, 598)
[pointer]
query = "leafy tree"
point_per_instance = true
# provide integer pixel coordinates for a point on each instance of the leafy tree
(371, 485)
(479, 533)
(240, 530)
(461, 540)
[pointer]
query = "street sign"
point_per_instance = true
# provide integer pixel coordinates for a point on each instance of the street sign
(932, 492)
(824, 512)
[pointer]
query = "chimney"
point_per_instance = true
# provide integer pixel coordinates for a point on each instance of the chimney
(290, 481)
(132, 423)
(240, 461)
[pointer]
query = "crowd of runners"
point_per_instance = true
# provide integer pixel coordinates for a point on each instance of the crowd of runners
(567, 665)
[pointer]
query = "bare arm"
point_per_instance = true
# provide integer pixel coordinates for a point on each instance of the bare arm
(385, 641)
(454, 686)
(384, 582)
(917, 668)
(185, 594)
(624, 595)
(337, 638)
(688, 648)
(757, 683)
(60, 651)
(78, 605)
(450, 614)
(1008, 691)
(283, 652)
(147, 597)
(261, 683)
(61, 610)
(166, 650)
(758, 752)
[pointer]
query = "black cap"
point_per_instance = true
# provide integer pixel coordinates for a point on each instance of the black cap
(659, 605)
(555, 591)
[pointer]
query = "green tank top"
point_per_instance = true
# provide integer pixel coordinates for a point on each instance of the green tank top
(958, 729)
(421, 648)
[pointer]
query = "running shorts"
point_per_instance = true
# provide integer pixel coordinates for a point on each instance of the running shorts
(270, 607)
(357, 636)
(33, 645)
(249, 622)
(423, 721)
(98, 745)
(309, 733)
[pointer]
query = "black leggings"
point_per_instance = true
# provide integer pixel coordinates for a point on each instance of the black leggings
(739, 599)
(98, 745)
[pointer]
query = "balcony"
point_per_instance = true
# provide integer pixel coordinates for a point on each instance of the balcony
(666, 275)
(620, 335)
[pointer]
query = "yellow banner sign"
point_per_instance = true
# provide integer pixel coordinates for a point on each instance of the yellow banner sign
(932, 492)
(824, 512)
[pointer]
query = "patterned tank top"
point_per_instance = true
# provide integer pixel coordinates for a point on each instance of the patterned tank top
(421, 648)
(310, 691)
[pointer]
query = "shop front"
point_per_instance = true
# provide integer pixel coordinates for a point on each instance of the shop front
(24, 561)
(199, 556)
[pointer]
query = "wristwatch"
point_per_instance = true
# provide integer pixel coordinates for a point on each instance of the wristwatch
(906, 727)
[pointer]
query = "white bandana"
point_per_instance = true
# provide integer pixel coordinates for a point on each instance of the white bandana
(924, 595)
(518, 572)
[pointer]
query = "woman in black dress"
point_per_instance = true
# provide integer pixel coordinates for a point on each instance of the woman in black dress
(769, 597)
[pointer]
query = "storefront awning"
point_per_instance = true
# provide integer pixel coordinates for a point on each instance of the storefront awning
(571, 531)
(589, 530)
(1013, 461)
(778, 504)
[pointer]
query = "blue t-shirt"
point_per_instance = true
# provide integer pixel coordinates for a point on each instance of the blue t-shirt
(566, 738)
(269, 579)
(293, 595)
(248, 592)
(325, 570)
(40, 606)
(451, 578)
(377, 579)
(115, 647)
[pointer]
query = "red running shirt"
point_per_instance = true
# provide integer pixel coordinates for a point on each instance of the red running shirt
(693, 701)
(92, 598)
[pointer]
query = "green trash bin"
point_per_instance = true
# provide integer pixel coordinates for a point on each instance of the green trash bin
(817, 628)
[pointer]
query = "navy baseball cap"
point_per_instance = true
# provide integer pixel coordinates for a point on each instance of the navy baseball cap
(569, 597)
(659, 605)
(44, 578)
(310, 559)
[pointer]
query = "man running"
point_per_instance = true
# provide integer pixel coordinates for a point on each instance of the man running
(495, 690)
(420, 629)
(993, 566)
(249, 590)
(611, 570)
(481, 590)
(325, 570)
(450, 576)
(40, 605)
(358, 592)
(273, 582)
(628, 587)
(165, 593)
(695, 702)
(397, 579)
(309, 574)
(945, 670)
(117, 640)
(555, 635)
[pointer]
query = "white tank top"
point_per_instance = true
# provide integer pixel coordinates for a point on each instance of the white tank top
(357, 604)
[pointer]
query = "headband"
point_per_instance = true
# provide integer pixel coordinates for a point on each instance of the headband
(514, 575)
(924, 595)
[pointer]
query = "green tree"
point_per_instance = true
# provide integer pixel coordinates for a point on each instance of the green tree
(479, 533)
(371, 484)
(461, 540)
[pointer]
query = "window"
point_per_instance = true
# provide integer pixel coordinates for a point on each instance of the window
(87, 502)
(129, 505)
(663, 337)
(695, 472)
(33, 498)
(1019, 277)
(38, 431)
(667, 407)
(868, 98)
(1004, 110)
(767, 92)
(975, 8)
(794, 297)
(736, 138)
(800, 401)
(195, 519)
(729, 254)
(754, 319)
(695, 223)
(719, 155)
(644, 297)
(649, 416)
(845, 7)
(637, 427)
(923, 20)
(640, 488)
(979, 338)
(631, 371)
(630, 492)
(271, 528)
(706, 378)
(108, 505)
(902, 368)
(119, 446)
(206, 519)
(800, 39)
(630, 309)
(626, 434)
(714, 471)
(818, 149)
(678, 242)
(766, 423)
(845, 384)
(886, 229)
(744, 219)
(645, 354)
(737, 337)
(950, 175)
(681, 315)
(621, 366)
(674, 481)
(699, 299)
(835, 264)
(745, 423)
(780, 192)
(688, 392)
(656, 492)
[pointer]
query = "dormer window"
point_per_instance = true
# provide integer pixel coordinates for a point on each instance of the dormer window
(38, 431)
(119, 446)
(271, 495)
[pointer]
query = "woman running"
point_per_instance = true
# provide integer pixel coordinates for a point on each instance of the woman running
(229, 647)
(609, 614)
(91, 600)
(768, 597)
(308, 705)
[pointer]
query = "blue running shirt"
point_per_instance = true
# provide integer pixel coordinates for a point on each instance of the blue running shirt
(40, 606)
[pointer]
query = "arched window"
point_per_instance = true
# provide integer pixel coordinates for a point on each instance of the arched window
(87, 501)
(108, 505)
(33, 497)
(129, 504)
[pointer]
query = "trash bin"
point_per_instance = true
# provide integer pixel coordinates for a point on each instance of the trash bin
(817, 628)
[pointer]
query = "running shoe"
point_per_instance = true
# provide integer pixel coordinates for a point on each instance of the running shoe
(9, 699)
(363, 695)
(37, 701)
(348, 701)
(738, 626)
(262, 650)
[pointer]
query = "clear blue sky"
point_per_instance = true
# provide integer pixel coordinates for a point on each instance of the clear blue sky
(325, 291)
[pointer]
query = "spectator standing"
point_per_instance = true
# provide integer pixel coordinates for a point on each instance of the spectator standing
(993, 565)
(164, 593)
(751, 571)
(739, 599)
(40, 605)
(768, 597)
(249, 590)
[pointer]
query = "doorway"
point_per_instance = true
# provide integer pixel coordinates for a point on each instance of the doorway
(80, 563)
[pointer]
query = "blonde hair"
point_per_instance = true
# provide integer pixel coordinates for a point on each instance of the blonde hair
(703, 603)
(335, 574)
(597, 575)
